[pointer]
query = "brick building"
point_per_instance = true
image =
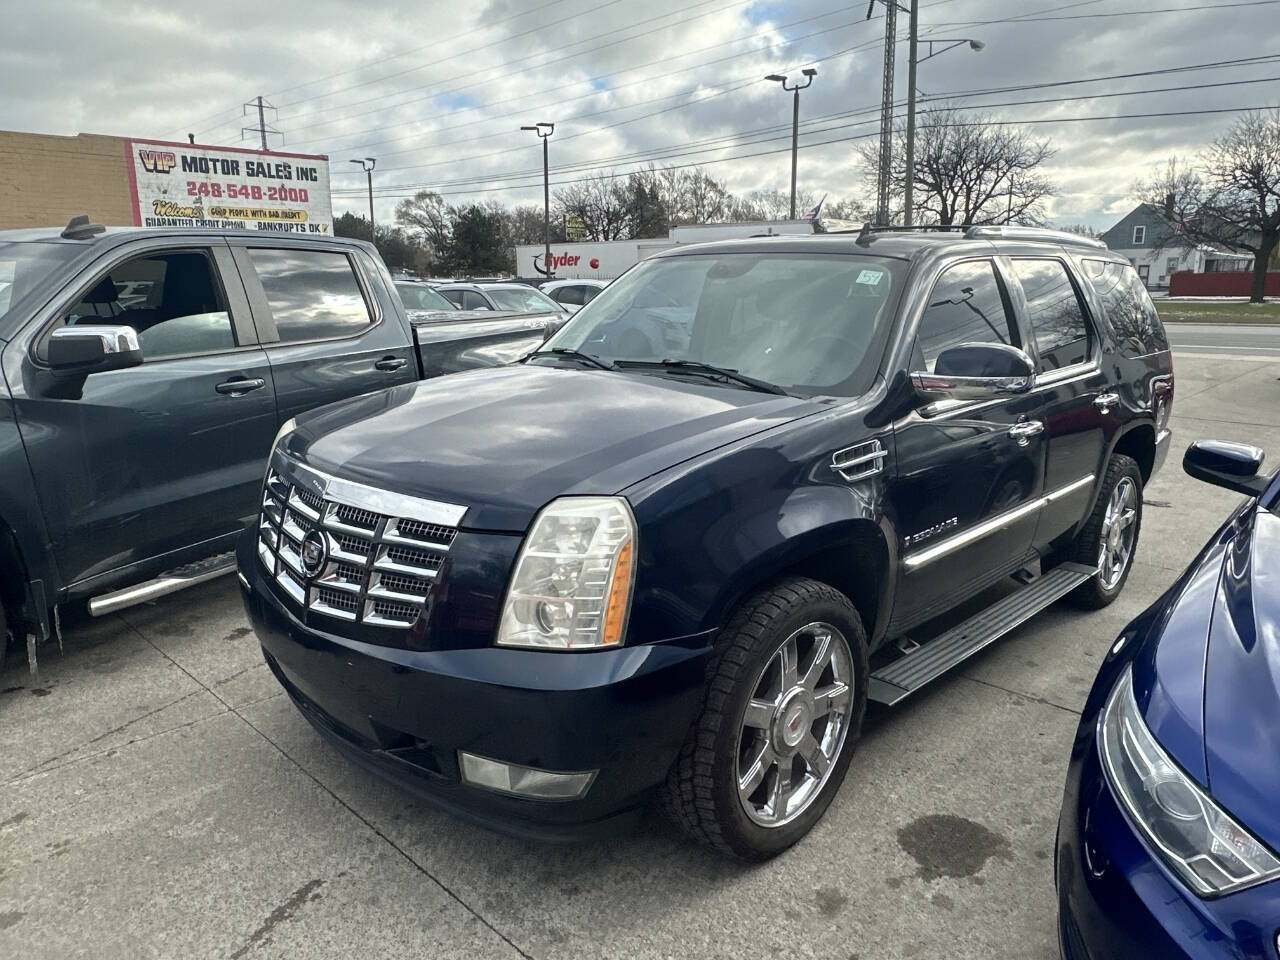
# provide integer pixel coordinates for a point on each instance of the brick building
(45, 180)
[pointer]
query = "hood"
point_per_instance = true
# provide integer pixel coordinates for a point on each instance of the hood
(1242, 679)
(505, 441)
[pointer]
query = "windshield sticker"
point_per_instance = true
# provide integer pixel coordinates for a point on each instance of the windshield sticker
(870, 277)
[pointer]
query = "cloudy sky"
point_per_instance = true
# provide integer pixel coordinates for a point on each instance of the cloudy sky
(437, 90)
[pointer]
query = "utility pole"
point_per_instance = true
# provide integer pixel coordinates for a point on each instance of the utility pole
(262, 129)
(367, 165)
(886, 108)
(544, 131)
(909, 189)
(809, 73)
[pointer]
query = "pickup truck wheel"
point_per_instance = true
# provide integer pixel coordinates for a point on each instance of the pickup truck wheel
(1109, 539)
(786, 694)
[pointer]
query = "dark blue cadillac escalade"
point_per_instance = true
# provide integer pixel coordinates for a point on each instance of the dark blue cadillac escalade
(678, 548)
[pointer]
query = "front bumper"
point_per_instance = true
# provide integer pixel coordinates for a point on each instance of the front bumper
(1118, 901)
(405, 714)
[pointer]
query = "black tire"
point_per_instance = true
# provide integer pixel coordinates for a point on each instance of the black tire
(1093, 594)
(701, 792)
(4, 635)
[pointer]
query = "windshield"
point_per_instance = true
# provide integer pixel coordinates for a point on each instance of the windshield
(24, 266)
(418, 296)
(527, 300)
(806, 322)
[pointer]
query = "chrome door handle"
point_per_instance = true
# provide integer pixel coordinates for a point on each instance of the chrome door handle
(1105, 401)
(390, 364)
(238, 388)
(1024, 430)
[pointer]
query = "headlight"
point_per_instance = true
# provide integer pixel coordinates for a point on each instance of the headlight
(1208, 849)
(285, 427)
(571, 589)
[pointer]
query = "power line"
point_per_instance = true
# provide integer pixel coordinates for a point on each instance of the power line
(862, 136)
(1116, 13)
(862, 110)
(394, 56)
(604, 164)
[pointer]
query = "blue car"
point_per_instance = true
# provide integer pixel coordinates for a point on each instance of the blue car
(1169, 838)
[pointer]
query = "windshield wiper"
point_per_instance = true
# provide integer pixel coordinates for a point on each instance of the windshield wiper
(727, 373)
(570, 352)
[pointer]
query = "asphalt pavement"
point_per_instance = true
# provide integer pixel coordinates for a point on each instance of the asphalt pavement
(161, 798)
(1244, 340)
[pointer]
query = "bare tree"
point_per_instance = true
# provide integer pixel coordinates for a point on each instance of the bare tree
(426, 218)
(1234, 196)
(969, 170)
(770, 204)
(602, 203)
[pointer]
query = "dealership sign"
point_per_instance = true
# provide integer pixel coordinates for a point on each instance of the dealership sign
(187, 185)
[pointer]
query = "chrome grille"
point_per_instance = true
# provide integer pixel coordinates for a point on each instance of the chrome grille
(380, 565)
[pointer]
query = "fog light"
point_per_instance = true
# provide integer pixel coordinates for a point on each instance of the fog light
(523, 781)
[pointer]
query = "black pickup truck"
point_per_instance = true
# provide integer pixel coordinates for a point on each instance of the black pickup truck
(146, 373)
(677, 550)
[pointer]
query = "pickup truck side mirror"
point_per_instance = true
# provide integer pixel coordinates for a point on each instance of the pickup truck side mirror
(1235, 466)
(976, 371)
(78, 351)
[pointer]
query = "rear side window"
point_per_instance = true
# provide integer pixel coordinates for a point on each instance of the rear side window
(313, 294)
(1055, 312)
(1128, 306)
(473, 301)
(967, 305)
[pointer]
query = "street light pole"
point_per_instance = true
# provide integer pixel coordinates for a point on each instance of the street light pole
(367, 164)
(544, 131)
(908, 214)
(809, 73)
(909, 188)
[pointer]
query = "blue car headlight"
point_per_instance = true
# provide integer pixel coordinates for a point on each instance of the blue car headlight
(1207, 848)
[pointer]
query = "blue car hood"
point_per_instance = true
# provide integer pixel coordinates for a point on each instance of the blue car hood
(505, 441)
(1242, 679)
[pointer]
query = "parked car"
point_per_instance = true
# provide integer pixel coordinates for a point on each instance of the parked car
(418, 296)
(147, 371)
(540, 594)
(511, 297)
(1169, 840)
(572, 294)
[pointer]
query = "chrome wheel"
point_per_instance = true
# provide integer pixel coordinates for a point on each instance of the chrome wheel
(794, 724)
(1119, 526)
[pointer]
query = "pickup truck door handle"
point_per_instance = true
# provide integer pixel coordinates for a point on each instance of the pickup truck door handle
(239, 386)
(390, 364)
(1024, 430)
(1105, 401)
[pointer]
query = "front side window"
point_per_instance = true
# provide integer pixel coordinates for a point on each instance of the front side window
(527, 300)
(568, 295)
(806, 322)
(1055, 313)
(173, 300)
(471, 300)
(313, 294)
(589, 293)
(968, 305)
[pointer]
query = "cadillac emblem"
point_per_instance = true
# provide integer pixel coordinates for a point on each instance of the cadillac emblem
(315, 553)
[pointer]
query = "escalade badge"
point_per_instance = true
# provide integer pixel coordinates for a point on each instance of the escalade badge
(315, 553)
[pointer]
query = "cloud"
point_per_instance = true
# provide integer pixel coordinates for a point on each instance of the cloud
(437, 91)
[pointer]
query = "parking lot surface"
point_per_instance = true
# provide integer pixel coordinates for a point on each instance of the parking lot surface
(160, 797)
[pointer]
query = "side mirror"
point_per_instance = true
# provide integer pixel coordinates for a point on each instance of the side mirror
(81, 350)
(976, 371)
(1235, 466)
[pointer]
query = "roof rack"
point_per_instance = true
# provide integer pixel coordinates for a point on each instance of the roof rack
(79, 228)
(990, 232)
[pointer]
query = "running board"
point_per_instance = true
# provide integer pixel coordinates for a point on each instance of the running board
(179, 578)
(909, 673)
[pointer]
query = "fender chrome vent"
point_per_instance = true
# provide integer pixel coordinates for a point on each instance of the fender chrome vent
(859, 461)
